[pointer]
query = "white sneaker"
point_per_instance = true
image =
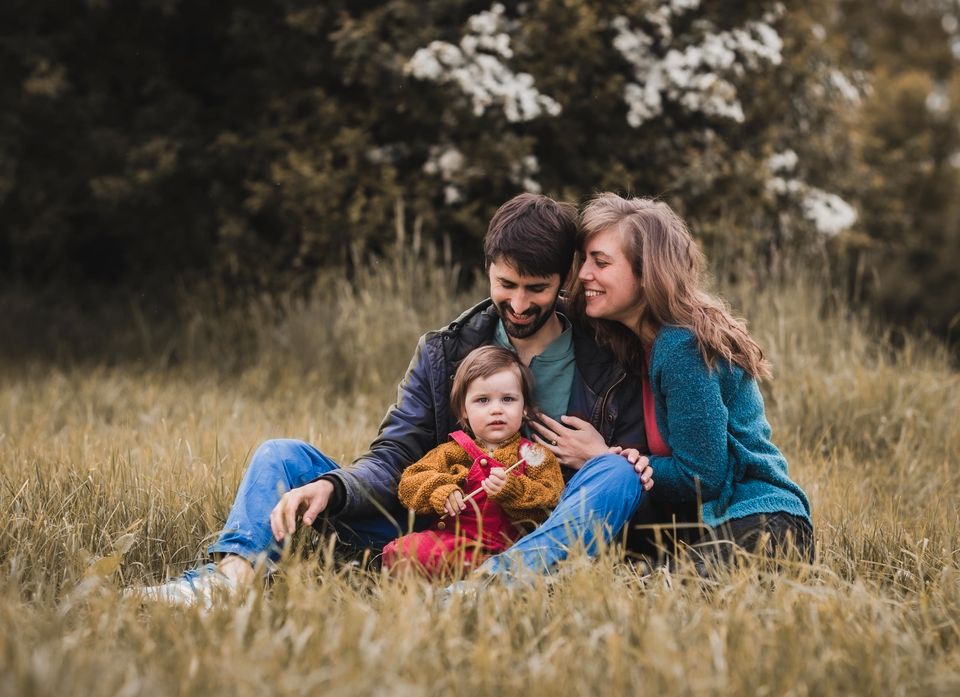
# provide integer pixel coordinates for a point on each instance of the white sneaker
(200, 586)
(468, 590)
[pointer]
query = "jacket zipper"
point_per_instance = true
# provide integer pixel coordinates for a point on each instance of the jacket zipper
(603, 402)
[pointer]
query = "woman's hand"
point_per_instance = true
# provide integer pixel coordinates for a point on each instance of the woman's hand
(641, 464)
(454, 505)
(573, 442)
(495, 482)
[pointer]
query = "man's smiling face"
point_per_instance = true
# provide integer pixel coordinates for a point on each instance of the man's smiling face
(525, 303)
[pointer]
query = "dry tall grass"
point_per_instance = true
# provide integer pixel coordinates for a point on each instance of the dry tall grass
(115, 475)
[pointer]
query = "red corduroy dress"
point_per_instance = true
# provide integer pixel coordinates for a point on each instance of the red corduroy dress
(481, 530)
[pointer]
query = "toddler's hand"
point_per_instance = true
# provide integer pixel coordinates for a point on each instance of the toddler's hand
(494, 483)
(454, 505)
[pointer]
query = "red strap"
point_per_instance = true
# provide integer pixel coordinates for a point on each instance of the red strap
(466, 442)
(474, 450)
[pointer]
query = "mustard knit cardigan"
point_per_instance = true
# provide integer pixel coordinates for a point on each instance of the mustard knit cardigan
(426, 484)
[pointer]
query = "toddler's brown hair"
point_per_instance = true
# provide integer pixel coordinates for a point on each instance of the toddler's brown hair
(482, 363)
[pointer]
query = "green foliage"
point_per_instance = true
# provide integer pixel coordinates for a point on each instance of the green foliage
(156, 145)
(263, 141)
(906, 140)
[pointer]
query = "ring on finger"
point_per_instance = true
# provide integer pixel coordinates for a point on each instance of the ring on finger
(553, 443)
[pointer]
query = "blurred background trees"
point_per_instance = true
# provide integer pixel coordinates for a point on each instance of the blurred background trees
(154, 146)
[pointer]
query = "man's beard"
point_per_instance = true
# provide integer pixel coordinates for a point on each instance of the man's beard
(523, 331)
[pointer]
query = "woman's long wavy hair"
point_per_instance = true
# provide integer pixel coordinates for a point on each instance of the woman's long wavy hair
(670, 268)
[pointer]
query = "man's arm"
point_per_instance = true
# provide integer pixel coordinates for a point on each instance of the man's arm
(407, 432)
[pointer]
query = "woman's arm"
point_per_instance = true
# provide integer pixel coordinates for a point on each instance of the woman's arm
(425, 485)
(696, 420)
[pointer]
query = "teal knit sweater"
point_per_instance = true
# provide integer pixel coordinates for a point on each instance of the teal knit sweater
(714, 422)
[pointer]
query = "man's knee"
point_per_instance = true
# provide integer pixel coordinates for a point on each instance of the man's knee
(299, 461)
(613, 471)
(610, 483)
(276, 450)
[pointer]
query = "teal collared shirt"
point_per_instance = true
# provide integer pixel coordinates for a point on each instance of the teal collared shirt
(553, 370)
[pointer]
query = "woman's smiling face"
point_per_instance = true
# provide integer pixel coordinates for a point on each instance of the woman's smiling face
(611, 290)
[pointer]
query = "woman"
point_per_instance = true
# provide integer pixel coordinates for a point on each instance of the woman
(641, 288)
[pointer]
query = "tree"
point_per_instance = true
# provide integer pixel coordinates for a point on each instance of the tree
(907, 153)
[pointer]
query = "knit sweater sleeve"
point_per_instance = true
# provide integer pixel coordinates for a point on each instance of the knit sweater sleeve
(692, 415)
(532, 495)
(425, 485)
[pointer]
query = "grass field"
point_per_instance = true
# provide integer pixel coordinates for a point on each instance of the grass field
(118, 472)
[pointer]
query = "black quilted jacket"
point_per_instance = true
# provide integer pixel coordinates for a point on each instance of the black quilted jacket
(420, 419)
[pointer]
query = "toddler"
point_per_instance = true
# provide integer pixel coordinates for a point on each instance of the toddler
(491, 394)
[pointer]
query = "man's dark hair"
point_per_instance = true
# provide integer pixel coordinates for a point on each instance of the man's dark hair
(534, 234)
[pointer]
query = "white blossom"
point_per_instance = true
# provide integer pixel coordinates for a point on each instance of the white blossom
(487, 23)
(446, 161)
(785, 161)
(779, 185)
(661, 17)
(691, 75)
(522, 173)
(828, 212)
(424, 64)
(532, 185)
(938, 102)
(451, 194)
(385, 154)
(681, 6)
(632, 45)
(846, 88)
(476, 67)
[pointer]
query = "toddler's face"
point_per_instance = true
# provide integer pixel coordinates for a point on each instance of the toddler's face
(494, 406)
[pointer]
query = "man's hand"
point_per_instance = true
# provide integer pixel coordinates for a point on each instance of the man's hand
(495, 481)
(641, 464)
(454, 505)
(314, 497)
(573, 442)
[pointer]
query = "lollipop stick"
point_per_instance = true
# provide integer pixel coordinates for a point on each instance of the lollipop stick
(473, 494)
(476, 492)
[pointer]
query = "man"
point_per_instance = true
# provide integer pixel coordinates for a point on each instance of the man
(528, 252)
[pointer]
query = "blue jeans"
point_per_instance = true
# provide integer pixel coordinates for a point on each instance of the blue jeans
(600, 498)
(596, 503)
(277, 467)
